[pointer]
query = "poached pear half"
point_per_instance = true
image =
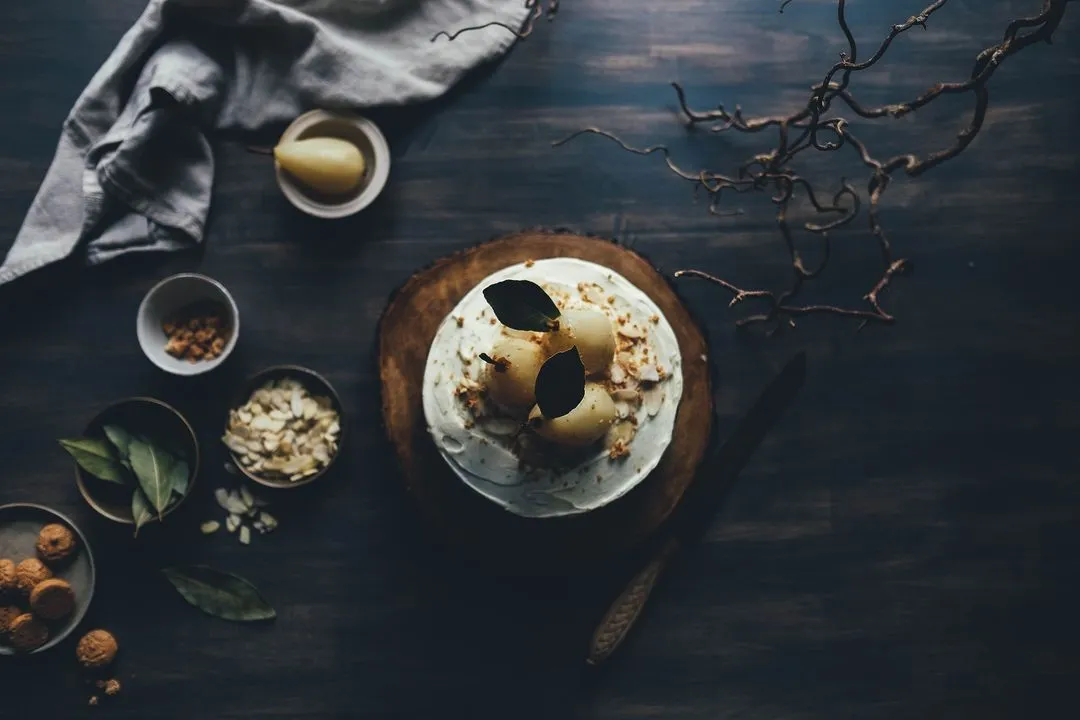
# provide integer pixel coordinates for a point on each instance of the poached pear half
(328, 165)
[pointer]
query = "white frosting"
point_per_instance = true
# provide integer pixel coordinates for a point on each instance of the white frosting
(481, 455)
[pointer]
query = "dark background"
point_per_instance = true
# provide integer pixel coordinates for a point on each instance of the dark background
(904, 544)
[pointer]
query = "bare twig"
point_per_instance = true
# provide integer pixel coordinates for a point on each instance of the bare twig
(536, 10)
(815, 125)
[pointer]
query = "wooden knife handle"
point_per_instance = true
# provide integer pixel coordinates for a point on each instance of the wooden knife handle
(626, 609)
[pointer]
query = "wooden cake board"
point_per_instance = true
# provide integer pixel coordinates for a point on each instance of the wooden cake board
(406, 330)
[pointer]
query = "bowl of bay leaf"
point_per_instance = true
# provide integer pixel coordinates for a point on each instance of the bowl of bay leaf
(136, 461)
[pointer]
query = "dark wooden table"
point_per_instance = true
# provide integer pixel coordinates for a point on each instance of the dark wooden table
(905, 544)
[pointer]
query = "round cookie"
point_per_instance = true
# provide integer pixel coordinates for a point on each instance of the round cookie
(96, 649)
(28, 633)
(8, 580)
(52, 599)
(29, 573)
(8, 613)
(56, 543)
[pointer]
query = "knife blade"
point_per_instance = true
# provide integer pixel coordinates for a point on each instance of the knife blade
(698, 507)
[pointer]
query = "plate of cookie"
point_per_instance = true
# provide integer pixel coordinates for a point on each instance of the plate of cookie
(46, 578)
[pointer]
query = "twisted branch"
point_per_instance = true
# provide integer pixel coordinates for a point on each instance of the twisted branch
(815, 125)
(534, 6)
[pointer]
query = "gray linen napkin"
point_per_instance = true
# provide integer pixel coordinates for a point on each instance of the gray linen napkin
(134, 167)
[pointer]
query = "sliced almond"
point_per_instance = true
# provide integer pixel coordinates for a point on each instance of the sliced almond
(622, 431)
(648, 373)
(232, 522)
(618, 374)
(502, 427)
(209, 527)
(245, 535)
(234, 504)
(264, 423)
(654, 399)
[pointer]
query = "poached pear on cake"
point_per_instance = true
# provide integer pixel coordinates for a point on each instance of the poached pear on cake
(553, 386)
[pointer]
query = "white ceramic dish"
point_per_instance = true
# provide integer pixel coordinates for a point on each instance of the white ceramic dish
(167, 297)
(483, 461)
(362, 133)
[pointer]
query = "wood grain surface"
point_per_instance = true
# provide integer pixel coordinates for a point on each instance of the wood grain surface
(406, 332)
(904, 544)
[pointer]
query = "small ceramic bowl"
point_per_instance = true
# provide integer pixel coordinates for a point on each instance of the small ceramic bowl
(156, 420)
(20, 524)
(362, 133)
(317, 386)
(170, 296)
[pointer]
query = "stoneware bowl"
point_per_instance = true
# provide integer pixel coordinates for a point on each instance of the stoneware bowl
(362, 133)
(170, 296)
(153, 418)
(19, 527)
(316, 385)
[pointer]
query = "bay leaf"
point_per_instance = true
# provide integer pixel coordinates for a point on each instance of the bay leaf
(179, 476)
(219, 593)
(148, 462)
(522, 305)
(140, 510)
(120, 438)
(560, 384)
(96, 457)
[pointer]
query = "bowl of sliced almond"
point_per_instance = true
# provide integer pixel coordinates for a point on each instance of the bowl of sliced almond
(285, 427)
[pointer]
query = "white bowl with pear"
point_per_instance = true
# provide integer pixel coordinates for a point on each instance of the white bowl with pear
(552, 388)
(332, 165)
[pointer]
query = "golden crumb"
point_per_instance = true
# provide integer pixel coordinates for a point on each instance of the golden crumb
(610, 299)
(529, 263)
(460, 321)
(492, 321)
(112, 687)
(655, 319)
(618, 449)
(197, 332)
(93, 699)
(581, 287)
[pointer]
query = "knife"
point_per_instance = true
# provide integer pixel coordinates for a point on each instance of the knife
(698, 507)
